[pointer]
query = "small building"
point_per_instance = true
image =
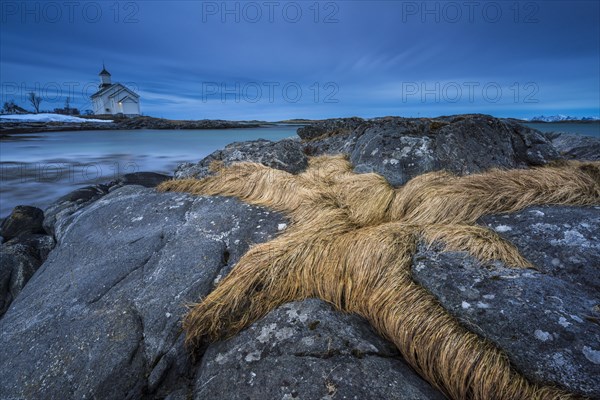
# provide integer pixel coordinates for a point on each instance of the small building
(114, 98)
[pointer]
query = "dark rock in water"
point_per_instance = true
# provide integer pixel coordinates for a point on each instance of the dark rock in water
(402, 148)
(22, 220)
(20, 258)
(145, 122)
(306, 350)
(119, 123)
(329, 127)
(287, 155)
(578, 147)
(546, 321)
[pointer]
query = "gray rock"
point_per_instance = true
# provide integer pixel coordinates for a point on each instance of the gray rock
(547, 321)
(57, 215)
(101, 317)
(402, 148)
(329, 127)
(145, 179)
(287, 155)
(22, 220)
(19, 259)
(306, 350)
(577, 147)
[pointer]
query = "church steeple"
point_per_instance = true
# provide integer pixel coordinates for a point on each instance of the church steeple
(104, 77)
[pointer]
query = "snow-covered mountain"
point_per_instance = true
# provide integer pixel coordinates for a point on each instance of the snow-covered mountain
(558, 118)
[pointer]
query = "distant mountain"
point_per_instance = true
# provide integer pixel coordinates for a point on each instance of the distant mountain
(560, 118)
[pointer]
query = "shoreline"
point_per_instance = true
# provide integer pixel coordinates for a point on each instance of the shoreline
(8, 127)
(24, 127)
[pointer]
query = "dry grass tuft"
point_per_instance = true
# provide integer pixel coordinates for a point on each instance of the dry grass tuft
(351, 243)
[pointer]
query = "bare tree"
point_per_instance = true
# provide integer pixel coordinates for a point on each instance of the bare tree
(35, 101)
(68, 105)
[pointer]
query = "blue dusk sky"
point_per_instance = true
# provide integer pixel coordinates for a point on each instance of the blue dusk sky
(273, 60)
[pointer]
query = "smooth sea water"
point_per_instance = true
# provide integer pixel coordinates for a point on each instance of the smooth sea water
(38, 168)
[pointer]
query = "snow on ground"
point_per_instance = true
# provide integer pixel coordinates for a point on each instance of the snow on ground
(46, 117)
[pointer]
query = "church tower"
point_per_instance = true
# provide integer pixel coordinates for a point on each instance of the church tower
(104, 78)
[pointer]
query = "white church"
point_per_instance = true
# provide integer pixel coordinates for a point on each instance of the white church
(114, 98)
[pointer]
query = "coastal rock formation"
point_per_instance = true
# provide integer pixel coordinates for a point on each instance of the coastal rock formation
(20, 259)
(577, 147)
(307, 350)
(119, 123)
(287, 155)
(402, 148)
(23, 220)
(547, 321)
(144, 122)
(330, 127)
(101, 317)
(58, 213)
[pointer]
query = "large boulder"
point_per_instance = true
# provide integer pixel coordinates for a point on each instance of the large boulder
(306, 350)
(547, 320)
(287, 155)
(329, 127)
(58, 214)
(402, 148)
(101, 318)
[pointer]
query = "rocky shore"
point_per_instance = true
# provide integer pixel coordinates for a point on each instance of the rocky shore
(93, 289)
(9, 128)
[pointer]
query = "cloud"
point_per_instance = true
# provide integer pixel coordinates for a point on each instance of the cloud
(170, 51)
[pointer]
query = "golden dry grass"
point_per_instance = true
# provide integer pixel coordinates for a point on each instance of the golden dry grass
(351, 243)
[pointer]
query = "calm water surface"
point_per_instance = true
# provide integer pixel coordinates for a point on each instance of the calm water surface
(36, 169)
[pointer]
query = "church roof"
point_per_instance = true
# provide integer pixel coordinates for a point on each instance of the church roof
(104, 71)
(118, 86)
